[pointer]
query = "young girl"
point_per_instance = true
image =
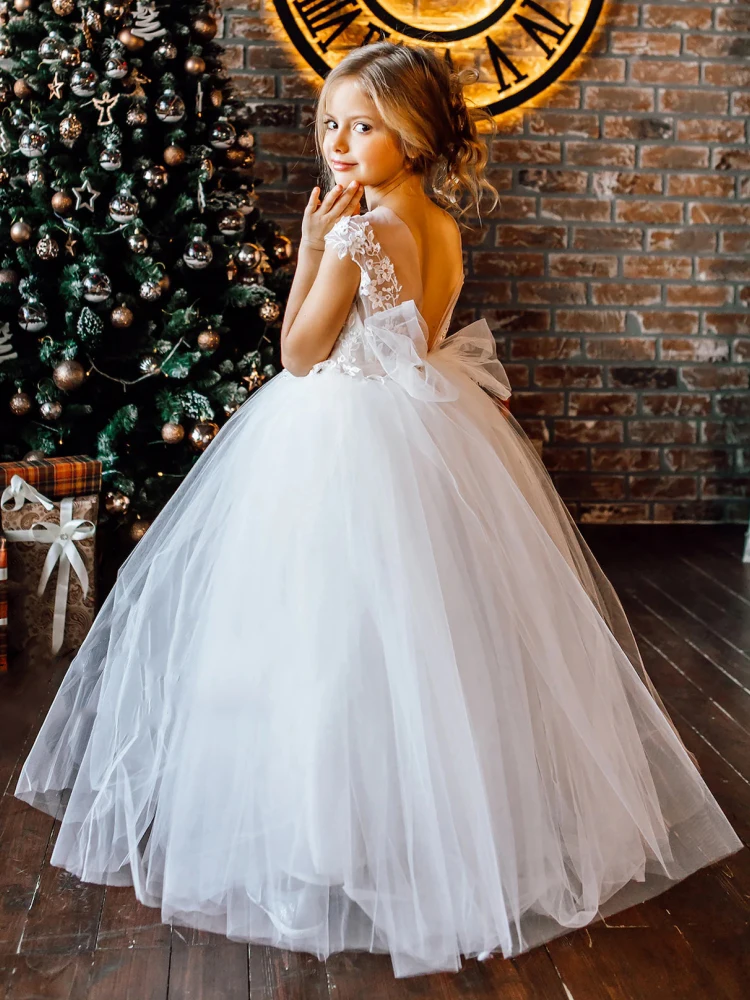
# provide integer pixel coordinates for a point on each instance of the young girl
(363, 685)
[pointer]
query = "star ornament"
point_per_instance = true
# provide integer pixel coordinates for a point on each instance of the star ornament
(70, 244)
(56, 87)
(85, 189)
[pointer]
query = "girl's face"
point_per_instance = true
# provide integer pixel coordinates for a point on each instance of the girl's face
(356, 144)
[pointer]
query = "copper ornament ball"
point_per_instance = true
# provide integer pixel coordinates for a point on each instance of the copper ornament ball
(121, 317)
(133, 43)
(270, 311)
(114, 9)
(22, 89)
(20, 232)
(34, 456)
(63, 7)
(8, 276)
(138, 529)
(51, 411)
(208, 340)
(217, 98)
(205, 26)
(116, 502)
(69, 375)
(20, 404)
(174, 156)
(235, 156)
(21, 5)
(62, 202)
(47, 248)
(195, 65)
(172, 433)
(202, 434)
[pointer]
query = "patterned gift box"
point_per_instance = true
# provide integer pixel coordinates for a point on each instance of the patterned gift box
(3, 605)
(51, 566)
(65, 476)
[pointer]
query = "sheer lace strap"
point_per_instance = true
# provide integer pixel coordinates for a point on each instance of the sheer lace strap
(354, 235)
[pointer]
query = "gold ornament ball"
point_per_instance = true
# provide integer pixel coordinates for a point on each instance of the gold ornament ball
(4, 176)
(114, 9)
(164, 282)
(208, 340)
(34, 456)
(51, 411)
(203, 434)
(63, 7)
(217, 98)
(246, 140)
(195, 65)
(62, 202)
(20, 232)
(8, 276)
(172, 433)
(133, 43)
(22, 89)
(121, 317)
(69, 375)
(270, 311)
(116, 502)
(282, 247)
(21, 5)
(138, 529)
(20, 404)
(235, 155)
(70, 128)
(205, 26)
(47, 248)
(174, 156)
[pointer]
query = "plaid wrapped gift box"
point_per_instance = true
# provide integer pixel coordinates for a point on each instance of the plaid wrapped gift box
(51, 571)
(65, 476)
(3, 605)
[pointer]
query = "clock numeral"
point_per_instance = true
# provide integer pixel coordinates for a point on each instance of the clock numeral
(375, 33)
(556, 28)
(500, 60)
(318, 15)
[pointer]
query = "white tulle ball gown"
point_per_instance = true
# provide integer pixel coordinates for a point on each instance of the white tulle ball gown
(363, 685)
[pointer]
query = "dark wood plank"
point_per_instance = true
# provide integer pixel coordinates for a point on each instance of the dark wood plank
(276, 974)
(126, 923)
(212, 973)
(131, 974)
(51, 977)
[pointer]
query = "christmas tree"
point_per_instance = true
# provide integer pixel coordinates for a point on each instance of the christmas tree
(140, 287)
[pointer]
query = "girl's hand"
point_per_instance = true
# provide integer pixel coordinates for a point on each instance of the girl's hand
(320, 216)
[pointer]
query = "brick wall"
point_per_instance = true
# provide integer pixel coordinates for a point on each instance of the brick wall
(615, 272)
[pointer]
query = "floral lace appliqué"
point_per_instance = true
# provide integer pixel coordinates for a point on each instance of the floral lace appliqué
(355, 236)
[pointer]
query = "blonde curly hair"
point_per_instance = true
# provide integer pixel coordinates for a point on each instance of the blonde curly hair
(421, 101)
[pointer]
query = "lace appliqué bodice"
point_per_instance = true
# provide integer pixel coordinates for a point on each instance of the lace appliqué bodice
(378, 291)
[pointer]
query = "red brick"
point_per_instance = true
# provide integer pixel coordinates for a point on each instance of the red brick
(591, 321)
(675, 487)
(645, 43)
(525, 151)
(694, 349)
(687, 511)
(554, 181)
(681, 240)
(297, 85)
(700, 186)
(548, 237)
(539, 403)
(601, 404)
(612, 513)
(679, 157)
(563, 123)
(741, 104)
(566, 459)
(741, 350)
(735, 404)
(608, 183)
(678, 71)
(563, 265)
(727, 75)
(267, 56)
(597, 68)
(728, 486)
(623, 15)
(518, 375)
(558, 292)
(591, 486)
(675, 404)
(727, 324)
(618, 98)
(500, 177)
(711, 46)
(589, 431)
(733, 20)
(253, 28)
(546, 347)
(730, 159)
(698, 295)
(676, 16)
(285, 144)
(569, 376)
(636, 127)
(578, 209)
(510, 123)
(652, 212)
(600, 154)
(657, 268)
(486, 293)
(669, 322)
(701, 102)
(695, 459)
(607, 238)
(625, 459)
(710, 130)
(616, 293)
(704, 213)
(723, 269)
(563, 95)
(621, 349)
(735, 242)
(514, 321)
(255, 84)
(501, 265)
(512, 207)
(662, 431)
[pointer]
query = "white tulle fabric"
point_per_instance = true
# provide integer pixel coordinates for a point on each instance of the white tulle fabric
(363, 685)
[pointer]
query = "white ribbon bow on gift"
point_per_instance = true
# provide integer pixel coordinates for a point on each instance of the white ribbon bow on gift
(61, 539)
(397, 338)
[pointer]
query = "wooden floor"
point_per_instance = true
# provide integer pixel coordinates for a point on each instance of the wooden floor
(688, 598)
